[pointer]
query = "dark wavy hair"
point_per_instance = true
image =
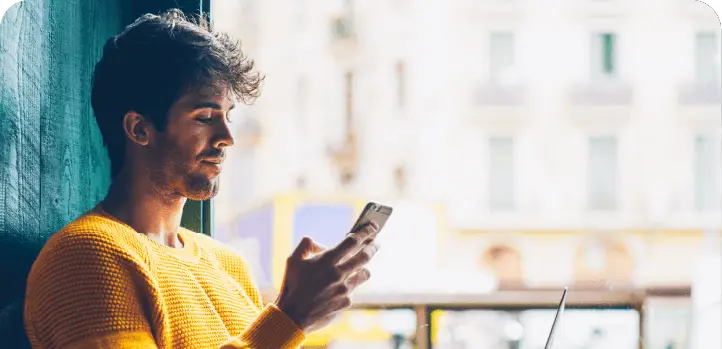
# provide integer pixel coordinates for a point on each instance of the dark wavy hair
(153, 62)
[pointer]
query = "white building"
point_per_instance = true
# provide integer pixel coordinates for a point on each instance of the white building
(514, 114)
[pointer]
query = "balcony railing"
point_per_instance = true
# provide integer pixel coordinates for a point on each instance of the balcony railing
(700, 93)
(585, 303)
(601, 93)
(494, 94)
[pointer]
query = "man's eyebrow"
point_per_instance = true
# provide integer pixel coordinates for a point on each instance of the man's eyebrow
(211, 105)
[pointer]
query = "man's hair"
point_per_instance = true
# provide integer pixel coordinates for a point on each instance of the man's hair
(153, 62)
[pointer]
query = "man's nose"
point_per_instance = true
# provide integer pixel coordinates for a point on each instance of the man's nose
(224, 138)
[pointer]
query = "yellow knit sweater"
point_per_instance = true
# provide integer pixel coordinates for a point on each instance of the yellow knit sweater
(99, 284)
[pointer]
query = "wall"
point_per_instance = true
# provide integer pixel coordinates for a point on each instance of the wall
(51, 165)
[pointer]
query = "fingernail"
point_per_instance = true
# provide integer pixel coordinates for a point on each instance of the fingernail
(374, 226)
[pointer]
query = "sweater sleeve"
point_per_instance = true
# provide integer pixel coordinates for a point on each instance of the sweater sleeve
(272, 328)
(84, 291)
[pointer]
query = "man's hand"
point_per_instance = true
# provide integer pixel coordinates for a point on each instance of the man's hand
(318, 282)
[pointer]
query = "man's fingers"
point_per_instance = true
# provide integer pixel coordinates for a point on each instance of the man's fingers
(316, 247)
(306, 248)
(301, 248)
(363, 226)
(359, 259)
(352, 242)
(358, 278)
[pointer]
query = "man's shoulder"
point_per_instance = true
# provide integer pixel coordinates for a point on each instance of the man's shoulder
(89, 233)
(89, 249)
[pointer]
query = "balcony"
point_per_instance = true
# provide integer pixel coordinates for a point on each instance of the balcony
(700, 93)
(493, 94)
(700, 102)
(606, 100)
(468, 310)
(499, 103)
(601, 93)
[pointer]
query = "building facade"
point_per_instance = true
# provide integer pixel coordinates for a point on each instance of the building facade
(595, 119)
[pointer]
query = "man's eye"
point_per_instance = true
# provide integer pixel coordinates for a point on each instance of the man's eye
(205, 119)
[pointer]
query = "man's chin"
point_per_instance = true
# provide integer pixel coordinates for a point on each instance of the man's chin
(201, 196)
(201, 190)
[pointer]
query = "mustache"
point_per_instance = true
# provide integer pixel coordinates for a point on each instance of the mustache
(214, 154)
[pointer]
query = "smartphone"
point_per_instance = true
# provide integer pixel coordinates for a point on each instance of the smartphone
(373, 212)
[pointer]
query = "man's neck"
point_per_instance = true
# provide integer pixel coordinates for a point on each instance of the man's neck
(142, 206)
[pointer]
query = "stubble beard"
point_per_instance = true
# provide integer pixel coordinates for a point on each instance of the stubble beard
(173, 175)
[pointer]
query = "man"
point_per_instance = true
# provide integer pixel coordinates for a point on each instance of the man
(125, 274)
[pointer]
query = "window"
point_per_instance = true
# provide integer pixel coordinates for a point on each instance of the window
(706, 173)
(348, 86)
(501, 173)
(602, 173)
(604, 55)
(706, 65)
(501, 56)
(401, 84)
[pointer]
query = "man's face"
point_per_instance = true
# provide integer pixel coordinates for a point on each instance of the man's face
(189, 153)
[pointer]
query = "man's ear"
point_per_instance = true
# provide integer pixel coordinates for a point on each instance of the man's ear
(137, 128)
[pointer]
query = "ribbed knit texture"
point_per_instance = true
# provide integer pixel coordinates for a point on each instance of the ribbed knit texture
(99, 284)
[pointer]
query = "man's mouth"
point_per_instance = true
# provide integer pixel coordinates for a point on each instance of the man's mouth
(215, 164)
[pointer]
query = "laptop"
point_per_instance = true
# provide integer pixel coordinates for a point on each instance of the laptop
(560, 311)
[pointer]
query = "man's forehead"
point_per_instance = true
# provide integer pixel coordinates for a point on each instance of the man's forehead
(217, 93)
(212, 90)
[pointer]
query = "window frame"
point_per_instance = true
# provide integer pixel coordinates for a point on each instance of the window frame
(197, 215)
